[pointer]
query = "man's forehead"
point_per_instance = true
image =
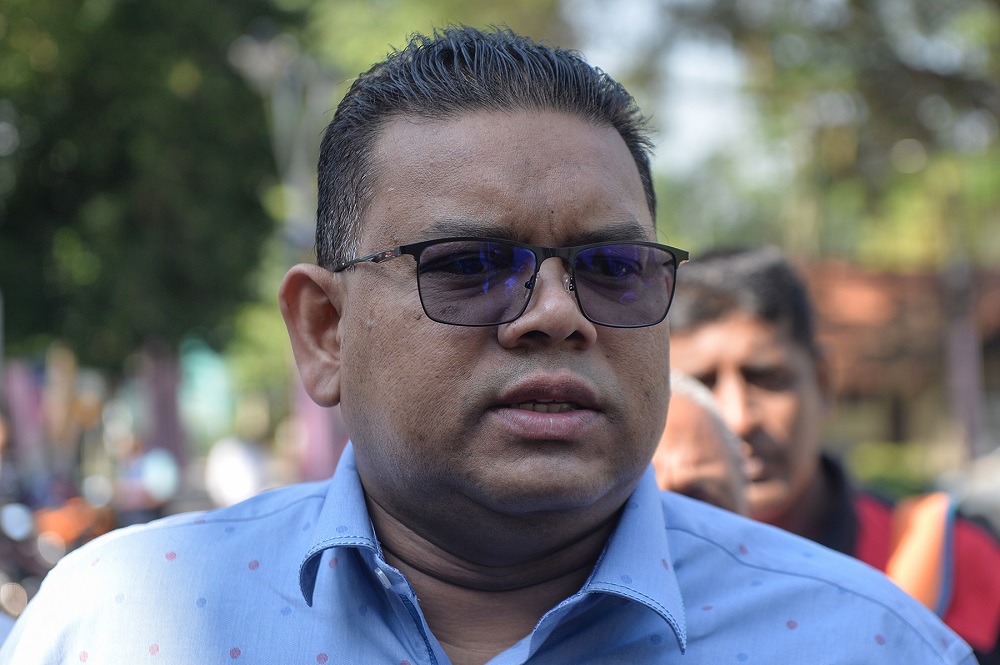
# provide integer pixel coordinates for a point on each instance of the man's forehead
(488, 174)
(477, 133)
(697, 439)
(737, 328)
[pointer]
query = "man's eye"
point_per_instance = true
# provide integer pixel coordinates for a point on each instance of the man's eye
(467, 265)
(708, 379)
(773, 379)
(611, 266)
(459, 264)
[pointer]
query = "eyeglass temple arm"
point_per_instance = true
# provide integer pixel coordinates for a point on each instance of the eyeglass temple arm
(377, 257)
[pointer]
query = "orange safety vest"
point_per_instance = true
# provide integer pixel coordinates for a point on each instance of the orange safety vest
(949, 564)
(920, 561)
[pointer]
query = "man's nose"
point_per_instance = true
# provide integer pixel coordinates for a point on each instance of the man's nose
(737, 404)
(553, 312)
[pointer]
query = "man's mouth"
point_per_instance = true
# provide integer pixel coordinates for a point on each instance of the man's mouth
(546, 406)
(754, 468)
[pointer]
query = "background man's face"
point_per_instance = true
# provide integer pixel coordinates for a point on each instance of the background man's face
(445, 418)
(770, 395)
(695, 459)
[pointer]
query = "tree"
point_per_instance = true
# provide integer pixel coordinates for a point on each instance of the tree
(877, 122)
(133, 160)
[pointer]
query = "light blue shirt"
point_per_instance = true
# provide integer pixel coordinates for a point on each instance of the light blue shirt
(295, 575)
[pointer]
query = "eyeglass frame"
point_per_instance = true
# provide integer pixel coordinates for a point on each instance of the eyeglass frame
(567, 254)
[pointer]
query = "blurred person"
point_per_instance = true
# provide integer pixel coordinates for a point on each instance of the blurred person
(742, 324)
(17, 552)
(145, 480)
(11, 486)
(698, 455)
(487, 308)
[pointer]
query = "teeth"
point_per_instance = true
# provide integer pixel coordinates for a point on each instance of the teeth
(546, 407)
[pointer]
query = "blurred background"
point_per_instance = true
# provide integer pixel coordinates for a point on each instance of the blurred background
(157, 178)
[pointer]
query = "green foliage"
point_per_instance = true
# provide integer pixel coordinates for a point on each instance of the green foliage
(350, 35)
(259, 356)
(131, 180)
(893, 470)
(870, 104)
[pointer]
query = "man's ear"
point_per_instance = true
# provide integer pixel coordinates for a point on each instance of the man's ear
(311, 301)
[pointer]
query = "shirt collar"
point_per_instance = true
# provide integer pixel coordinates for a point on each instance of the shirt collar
(343, 521)
(635, 565)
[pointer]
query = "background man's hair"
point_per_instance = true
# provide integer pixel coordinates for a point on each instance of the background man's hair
(686, 385)
(457, 71)
(759, 281)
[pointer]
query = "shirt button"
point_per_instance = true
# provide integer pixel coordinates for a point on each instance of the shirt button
(383, 578)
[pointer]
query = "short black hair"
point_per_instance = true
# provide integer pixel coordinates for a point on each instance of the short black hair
(455, 71)
(759, 281)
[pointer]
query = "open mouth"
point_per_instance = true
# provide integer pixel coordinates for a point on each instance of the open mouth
(546, 406)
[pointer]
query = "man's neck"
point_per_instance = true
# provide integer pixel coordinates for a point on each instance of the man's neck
(477, 610)
(807, 516)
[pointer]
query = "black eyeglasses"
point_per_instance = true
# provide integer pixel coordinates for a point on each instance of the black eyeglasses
(488, 282)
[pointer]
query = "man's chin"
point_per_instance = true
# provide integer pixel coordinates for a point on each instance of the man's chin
(551, 493)
(768, 501)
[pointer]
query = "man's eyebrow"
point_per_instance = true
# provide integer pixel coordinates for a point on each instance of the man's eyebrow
(629, 230)
(455, 227)
(458, 227)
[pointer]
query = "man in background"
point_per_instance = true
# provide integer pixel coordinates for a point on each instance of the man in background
(742, 324)
(698, 455)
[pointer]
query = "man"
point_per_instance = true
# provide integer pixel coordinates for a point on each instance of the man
(698, 455)
(496, 503)
(742, 324)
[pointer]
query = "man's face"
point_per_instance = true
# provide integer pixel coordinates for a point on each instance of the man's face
(770, 391)
(546, 413)
(694, 457)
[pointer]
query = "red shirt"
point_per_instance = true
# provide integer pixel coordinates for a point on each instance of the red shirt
(969, 600)
(968, 585)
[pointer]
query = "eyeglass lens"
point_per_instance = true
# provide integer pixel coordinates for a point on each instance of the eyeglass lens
(476, 283)
(624, 285)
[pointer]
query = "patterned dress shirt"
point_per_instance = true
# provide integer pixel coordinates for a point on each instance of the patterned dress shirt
(296, 576)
